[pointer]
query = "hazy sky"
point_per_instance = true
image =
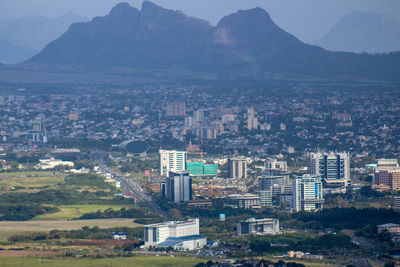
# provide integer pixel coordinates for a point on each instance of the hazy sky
(306, 19)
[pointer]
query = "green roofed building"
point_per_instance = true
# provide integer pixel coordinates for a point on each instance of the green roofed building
(201, 169)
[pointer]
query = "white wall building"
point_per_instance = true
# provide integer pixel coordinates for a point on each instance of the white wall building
(46, 164)
(155, 234)
(172, 160)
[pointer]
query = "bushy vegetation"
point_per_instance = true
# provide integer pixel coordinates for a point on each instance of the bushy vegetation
(77, 189)
(11, 212)
(348, 218)
(302, 242)
(88, 180)
(83, 233)
(110, 213)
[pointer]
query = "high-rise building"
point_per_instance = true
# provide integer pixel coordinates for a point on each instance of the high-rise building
(267, 181)
(176, 109)
(390, 178)
(307, 193)
(199, 116)
(258, 226)
(334, 168)
(172, 160)
(237, 168)
(155, 234)
(178, 187)
(38, 133)
(252, 121)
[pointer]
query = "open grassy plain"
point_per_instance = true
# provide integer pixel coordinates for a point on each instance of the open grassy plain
(29, 180)
(68, 212)
(89, 262)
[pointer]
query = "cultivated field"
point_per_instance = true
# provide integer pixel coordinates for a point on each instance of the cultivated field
(9, 228)
(88, 262)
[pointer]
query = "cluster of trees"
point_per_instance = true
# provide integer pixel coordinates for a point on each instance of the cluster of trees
(136, 165)
(259, 245)
(348, 218)
(83, 233)
(12, 212)
(261, 263)
(110, 213)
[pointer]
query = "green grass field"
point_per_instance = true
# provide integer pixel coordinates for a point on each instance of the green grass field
(9, 228)
(29, 179)
(68, 212)
(87, 262)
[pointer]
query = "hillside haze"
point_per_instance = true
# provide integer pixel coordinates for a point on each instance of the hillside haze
(244, 45)
(363, 32)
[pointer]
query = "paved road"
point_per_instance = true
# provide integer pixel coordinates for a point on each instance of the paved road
(127, 184)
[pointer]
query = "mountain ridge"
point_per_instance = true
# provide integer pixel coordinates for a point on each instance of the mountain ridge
(243, 45)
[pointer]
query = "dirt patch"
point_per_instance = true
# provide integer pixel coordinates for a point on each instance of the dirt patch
(102, 242)
(25, 253)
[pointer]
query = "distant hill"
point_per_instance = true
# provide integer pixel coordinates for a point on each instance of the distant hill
(363, 32)
(10, 53)
(246, 45)
(35, 32)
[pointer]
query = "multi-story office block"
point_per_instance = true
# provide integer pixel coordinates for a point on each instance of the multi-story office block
(396, 203)
(390, 178)
(334, 168)
(172, 160)
(178, 187)
(265, 198)
(266, 182)
(176, 109)
(307, 193)
(246, 201)
(155, 234)
(237, 168)
(258, 226)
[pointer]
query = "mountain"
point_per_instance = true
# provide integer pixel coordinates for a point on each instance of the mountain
(246, 45)
(363, 32)
(10, 53)
(35, 32)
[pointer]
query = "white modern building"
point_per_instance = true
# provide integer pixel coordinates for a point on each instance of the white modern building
(178, 187)
(273, 164)
(334, 168)
(258, 226)
(46, 164)
(387, 164)
(172, 160)
(307, 193)
(181, 235)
